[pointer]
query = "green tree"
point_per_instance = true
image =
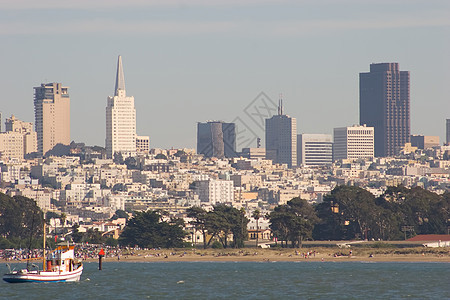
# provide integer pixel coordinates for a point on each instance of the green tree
(239, 227)
(77, 236)
(21, 220)
(131, 163)
(356, 205)
(331, 225)
(256, 215)
(120, 214)
(118, 158)
(180, 153)
(280, 224)
(386, 223)
(293, 222)
(112, 242)
(63, 218)
(224, 221)
(200, 221)
(148, 230)
(119, 187)
(428, 212)
(51, 215)
(353, 206)
(220, 223)
(93, 236)
(351, 212)
(303, 221)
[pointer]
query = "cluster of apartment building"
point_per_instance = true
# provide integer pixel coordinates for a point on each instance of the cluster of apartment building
(94, 189)
(91, 183)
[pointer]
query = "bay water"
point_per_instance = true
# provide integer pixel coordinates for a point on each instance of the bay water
(245, 280)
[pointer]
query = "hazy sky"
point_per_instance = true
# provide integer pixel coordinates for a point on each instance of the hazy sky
(189, 61)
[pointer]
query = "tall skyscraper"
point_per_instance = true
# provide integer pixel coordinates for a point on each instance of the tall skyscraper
(353, 142)
(120, 119)
(384, 103)
(52, 116)
(314, 149)
(281, 138)
(216, 139)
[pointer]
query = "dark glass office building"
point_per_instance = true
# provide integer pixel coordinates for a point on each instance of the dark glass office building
(384, 103)
(216, 139)
(281, 140)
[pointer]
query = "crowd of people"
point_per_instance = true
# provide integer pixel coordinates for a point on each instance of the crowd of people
(19, 254)
(82, 251)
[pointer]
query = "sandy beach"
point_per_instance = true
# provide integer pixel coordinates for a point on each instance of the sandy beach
(335, 254)
(272, 255)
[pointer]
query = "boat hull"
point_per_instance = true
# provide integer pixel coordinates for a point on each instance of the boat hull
(19, 277)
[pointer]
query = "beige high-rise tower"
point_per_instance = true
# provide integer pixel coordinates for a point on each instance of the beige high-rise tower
(120, 119)
(52, 116)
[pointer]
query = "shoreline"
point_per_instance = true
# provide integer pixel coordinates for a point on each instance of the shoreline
(408, 259)
(317, 254)
(284, 255)
(313, 254)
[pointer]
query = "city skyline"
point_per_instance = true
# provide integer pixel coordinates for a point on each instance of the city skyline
(184, 67)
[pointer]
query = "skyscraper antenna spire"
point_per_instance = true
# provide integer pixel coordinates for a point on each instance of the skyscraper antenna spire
(120, 79)
(280, 105)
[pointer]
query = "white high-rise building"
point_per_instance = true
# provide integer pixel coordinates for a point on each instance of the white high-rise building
(120, 119)
(353, 142)
(314, 149)
(215, 191)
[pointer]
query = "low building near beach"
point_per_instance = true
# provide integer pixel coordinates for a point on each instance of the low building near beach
(263, 234)
(432, 240)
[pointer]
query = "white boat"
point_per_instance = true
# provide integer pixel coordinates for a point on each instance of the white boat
(59, 266)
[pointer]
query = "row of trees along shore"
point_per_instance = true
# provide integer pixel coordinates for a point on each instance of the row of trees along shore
(346, 213)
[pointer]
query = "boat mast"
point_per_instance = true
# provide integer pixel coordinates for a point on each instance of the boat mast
(43, 263)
